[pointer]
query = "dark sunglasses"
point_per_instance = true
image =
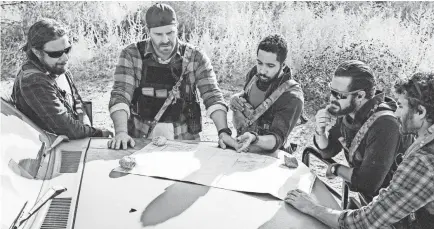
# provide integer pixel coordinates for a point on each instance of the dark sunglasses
(57, 54)
(342, 94)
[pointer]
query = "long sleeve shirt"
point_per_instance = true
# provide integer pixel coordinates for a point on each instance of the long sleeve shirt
(375, 156)
(283, 115)
(128, 74)
(37, 95)
(410, 190)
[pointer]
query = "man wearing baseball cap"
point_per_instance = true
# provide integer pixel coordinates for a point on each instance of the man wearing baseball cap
(155, 88)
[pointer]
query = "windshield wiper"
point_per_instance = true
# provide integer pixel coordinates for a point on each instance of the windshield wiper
(50, 194)
(18, 216)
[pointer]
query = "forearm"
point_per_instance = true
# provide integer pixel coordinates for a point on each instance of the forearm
(220, 119)
(120, 121)
(328, 216)
(265, 142)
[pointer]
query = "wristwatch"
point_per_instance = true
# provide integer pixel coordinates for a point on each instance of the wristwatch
(256, 137)
(225, 130)
(334, 169)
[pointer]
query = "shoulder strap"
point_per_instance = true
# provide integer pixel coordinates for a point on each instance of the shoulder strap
(267, 103)
(364, 129)
(188, 61)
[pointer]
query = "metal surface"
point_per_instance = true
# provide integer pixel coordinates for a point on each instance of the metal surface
(114, 200)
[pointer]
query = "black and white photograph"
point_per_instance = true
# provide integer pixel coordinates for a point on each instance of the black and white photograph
(217, 114)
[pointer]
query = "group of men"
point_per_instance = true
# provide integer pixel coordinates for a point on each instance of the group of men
(155, 93)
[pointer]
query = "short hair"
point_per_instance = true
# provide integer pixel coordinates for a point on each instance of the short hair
(362, 76)
(275, 43)
(42, 32)
(419, 90)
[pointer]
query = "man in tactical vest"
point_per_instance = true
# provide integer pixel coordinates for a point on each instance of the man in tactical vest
(154, 93)
(408, 201)
(366, 128)
(271, 103)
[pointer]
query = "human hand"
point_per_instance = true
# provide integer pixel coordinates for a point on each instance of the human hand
(300, 200)
(245, 140)
(226, 140)
(237, 103)
(322, 119)
(121, 140)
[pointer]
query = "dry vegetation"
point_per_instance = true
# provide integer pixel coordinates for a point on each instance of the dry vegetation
(396, 39)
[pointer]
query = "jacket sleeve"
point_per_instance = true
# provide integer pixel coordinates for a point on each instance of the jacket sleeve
(41, 96)
(288, 109)
(381, 145)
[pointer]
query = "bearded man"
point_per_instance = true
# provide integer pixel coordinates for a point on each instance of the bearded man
(44, 89)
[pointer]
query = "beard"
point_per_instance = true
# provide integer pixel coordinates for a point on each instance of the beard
(165, 48)
(57, 69)
(337, 110)
(407, 125)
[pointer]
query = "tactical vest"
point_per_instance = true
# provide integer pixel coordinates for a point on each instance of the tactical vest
(157, 80)
(249, 119)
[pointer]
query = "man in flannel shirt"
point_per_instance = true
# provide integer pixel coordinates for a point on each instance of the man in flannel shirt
(43, 89)
(408, 202)
(146, 73)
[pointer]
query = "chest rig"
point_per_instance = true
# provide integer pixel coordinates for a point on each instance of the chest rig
(157, 80)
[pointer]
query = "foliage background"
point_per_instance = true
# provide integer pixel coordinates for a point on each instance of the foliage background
(394, 38)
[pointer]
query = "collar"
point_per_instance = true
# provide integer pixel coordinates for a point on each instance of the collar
(150, 51)
(36, 63)
(368, 108)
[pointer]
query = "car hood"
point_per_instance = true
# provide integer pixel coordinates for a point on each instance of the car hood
(110, 199)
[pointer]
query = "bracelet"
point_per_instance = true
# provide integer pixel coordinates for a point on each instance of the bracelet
(225, 130)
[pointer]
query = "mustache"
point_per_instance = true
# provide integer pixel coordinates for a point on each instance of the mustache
(262, 75)
(165, 44)
(335, 103)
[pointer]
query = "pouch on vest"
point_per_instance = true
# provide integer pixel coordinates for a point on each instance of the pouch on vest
(158, 80)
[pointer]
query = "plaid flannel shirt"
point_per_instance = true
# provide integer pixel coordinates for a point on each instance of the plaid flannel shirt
(128, 74)
(411, 188)
(37, 95)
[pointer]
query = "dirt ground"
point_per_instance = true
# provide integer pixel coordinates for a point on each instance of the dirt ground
(98, 91)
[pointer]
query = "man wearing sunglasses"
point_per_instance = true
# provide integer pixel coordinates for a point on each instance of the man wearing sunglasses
(43, 89)
(156, 83)
(365, 129)
(408, 201)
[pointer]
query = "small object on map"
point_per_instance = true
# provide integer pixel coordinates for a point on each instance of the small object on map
(159, 141)
(290, 161)
(127, 162)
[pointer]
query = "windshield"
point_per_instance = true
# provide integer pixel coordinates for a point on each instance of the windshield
(22, 147)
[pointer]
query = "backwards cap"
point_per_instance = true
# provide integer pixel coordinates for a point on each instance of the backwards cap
(160, 15)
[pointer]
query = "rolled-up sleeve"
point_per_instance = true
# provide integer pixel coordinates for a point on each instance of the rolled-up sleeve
(124, 83)
(206, 82)
(41, 96)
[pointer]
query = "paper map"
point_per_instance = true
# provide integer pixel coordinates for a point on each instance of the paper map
(206, 164)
